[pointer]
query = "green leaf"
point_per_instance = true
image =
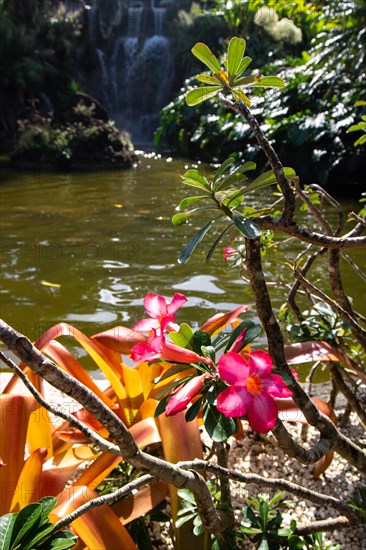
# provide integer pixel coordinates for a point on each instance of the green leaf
(194, 242)
(263, 512)
(6, 528)
(200, 338)
(183, 519)
(239, 95)
(26, 519)
(279, 496)
(245, 80)
(252, 332)
(266, 179)
(285, 377)
(180, 219)
(59, 541)
(196, 179)
(162, 405)
(175, 369)
(48, 504)
(245, 62)
(198, 95)
(182, 338)
(187, 495)
(236, 175)
(360, 141)
(214, 246)
(207, 79)
(41, 533)
(246, 226)
(221, 169)
(263, 544)
(235, 54)
(193, 410)
(188, 200)
(268, 82)
(218, 427)
(250, 530)
(204, 54)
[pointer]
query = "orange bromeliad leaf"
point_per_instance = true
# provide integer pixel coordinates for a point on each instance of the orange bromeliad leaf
(39, 434)
(187, 446)
(99, 528)
(137, 505)
(14, 417)
(60, 355)
(220, 320)
(304, 352)
(28, 485)
(120, 339)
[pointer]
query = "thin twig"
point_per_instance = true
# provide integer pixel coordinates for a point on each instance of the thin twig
(105, 499)
(360, 331)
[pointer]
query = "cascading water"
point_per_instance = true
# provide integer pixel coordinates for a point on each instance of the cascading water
(135, 70)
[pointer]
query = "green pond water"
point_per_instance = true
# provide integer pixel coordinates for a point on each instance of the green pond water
(85, 248)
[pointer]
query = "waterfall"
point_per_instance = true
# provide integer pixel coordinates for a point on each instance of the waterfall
(159, 18)
(134, 19)
(135, 70)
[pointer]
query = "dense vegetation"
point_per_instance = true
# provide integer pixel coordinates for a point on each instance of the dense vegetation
(317, 51)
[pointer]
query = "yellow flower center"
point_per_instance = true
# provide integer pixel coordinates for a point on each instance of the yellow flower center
(254, 385)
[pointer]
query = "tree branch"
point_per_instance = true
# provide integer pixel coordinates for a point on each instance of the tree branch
(274, 161)
(275, 483)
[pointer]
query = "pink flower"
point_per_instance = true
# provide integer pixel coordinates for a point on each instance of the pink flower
(180, 399)
(156, 347)
(252, 389)
(161, 312)
(228, 251)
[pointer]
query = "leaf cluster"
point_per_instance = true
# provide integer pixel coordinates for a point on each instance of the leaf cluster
(30, 529)
(230, 80)
(221, 194)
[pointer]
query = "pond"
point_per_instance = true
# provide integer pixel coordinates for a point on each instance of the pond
(85, 248)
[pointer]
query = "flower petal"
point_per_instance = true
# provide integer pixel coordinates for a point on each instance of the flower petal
(260, 362)
(232, 368)
(180, 399)
(263, 413)
(155, 306)
(234, 401)
(145, 325)
(178, 301)
(275, 386)
(144, 352)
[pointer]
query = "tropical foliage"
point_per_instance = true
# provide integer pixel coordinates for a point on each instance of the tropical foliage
(310, 116)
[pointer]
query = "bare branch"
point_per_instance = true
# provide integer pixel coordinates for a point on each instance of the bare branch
(275, 483)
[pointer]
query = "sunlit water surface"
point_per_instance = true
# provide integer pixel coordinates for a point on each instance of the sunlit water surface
(85, 248)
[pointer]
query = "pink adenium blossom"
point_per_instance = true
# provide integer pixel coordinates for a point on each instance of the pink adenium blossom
(157, 347)
(180, 399)
(161, 313)
(252, 389)
(229, 252)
